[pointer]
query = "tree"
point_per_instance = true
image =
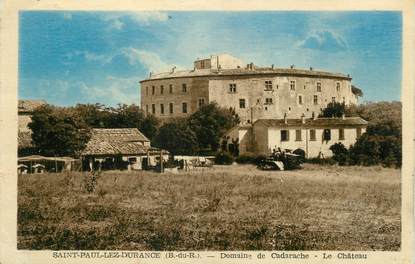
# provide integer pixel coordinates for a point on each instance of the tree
(334, 110)
(58, 131)
(149, 126)
(177, 137)
(377, 113)
(122, 116)
(382, 143)
(210, 123)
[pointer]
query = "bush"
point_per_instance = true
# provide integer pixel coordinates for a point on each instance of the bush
(224, 158)
(340, 154)
(245, 159)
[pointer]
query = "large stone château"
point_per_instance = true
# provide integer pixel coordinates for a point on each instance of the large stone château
(253, 92)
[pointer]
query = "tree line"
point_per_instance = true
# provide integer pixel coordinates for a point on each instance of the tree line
(64, 131)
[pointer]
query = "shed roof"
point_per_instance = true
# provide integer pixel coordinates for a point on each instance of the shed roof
(244, 71)
(118, 134)
(116, 141)
(309, 122)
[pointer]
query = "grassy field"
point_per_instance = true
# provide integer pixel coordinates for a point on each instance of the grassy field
(224, 208)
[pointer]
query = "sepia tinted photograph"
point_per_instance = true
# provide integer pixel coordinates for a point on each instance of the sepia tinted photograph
(209, 130)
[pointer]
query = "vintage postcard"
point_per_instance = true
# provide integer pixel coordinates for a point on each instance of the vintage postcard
(207, 132)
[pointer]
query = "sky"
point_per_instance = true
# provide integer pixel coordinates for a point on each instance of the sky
(75, 57)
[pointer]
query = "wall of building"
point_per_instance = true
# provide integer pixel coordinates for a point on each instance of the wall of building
(197, 88)
(23, 121)
(252, 89)
(284, 99)
(312, 148)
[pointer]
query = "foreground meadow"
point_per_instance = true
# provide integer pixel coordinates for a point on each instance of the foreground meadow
(223, 208)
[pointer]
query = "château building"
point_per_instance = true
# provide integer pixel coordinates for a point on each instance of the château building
(253, 92)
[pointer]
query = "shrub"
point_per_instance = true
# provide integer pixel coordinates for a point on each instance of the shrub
(340, 154)
(224, 158)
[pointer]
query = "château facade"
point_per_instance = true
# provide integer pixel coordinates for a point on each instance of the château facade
(253, 92)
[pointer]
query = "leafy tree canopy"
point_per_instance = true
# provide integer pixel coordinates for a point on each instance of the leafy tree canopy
(58, 131)
(177, 137)
(210, 123)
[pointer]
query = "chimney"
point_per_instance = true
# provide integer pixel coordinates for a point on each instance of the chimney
(311, 68)
(272, 66)
(292, 66)
(303, 118)
(149, 75)
(172, 69)
(285, 118)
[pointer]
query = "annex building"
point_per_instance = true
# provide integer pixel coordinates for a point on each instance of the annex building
(254, 92)
(314, 135)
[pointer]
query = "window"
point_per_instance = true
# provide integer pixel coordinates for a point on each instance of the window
(268, 101)
(358, 132)
(312, 135)
(161, 89)
(315, 99)
(327, 134)
(184, 108)
(146, 90)
(319, 87)
(341, 134)
(184, 88)
(292, 85)
(285, 135)
(241, 103)
(300, 99)
(162, 109)
(298, 135)
(171, 108)
(338, 86)
(333, 99)
(153, 109)
(171, 88)
(268, 85)
(201, 102)
(147, 109)
(232, 87)
(153, 89)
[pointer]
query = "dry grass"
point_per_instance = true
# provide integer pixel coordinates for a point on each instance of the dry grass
(224, 208)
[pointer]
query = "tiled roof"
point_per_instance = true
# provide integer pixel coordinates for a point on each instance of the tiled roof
(118, 134)
(244, 71)
(126, 141)
(309, 122)
(29, 105)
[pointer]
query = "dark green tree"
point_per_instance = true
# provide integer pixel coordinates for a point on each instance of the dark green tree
(177, 137)
(382, 143)
(334, 110)
(210, 123)
(58, 131)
